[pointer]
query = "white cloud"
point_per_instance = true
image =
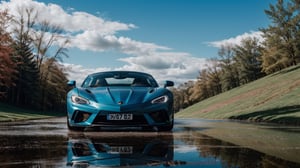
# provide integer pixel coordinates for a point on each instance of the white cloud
(94, 33)
(72, 22)
(86, 31)
(78, 25)
(185, 149)
(95, 41)
(236, 40)
(178, 67)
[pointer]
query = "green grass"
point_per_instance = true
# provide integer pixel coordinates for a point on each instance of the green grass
(274, 98)
(11, 113)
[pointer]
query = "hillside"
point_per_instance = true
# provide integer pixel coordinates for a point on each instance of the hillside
(274, 98)
(12, 113)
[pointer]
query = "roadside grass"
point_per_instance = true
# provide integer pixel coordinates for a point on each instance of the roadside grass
(274, 98)
(11, 113)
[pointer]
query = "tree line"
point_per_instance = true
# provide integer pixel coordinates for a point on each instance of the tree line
(30, 73)
(250, 60)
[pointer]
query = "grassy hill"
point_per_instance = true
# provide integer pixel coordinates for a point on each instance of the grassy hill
(11, 113)
(274, 98)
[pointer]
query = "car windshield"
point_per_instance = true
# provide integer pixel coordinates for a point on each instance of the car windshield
(132, 79)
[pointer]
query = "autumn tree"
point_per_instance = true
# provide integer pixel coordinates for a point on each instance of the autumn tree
(282, 37)
(208, 82)
(214, 77)
(247, 58)
(54, 85)
(230, 76)
(241, 64)
(200, 90)
(185, 91)
(7, 66)
(195, 92)
(45, 36)
(178, 99)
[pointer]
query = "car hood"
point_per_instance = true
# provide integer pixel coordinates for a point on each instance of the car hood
(117, 95)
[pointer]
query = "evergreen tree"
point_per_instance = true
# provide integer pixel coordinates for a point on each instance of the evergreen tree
(26, 88)
(25, 92)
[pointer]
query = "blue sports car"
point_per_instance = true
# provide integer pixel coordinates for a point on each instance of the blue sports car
(121, 151)
(120, 99)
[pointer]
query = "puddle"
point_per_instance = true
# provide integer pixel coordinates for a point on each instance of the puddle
(191, 144)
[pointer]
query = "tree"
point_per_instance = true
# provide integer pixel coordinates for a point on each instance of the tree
(214, 76)
(54, 86)
(26, 89)
(7, 66)
(195, 92)
(41, 82)
(45, 36)
(178, 99)
(248, 60)
(229, 77)
(282, 38)
(25, 92)
(184, 90)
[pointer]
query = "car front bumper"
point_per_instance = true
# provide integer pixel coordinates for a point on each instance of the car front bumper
(143, 115)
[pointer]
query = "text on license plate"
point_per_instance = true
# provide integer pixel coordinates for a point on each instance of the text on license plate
(121, 150)
(119, 116)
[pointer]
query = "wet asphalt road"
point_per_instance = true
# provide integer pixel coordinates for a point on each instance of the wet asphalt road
(192, 143)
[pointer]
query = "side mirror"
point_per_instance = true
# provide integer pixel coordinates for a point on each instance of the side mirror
(72, 83)
(168, 84)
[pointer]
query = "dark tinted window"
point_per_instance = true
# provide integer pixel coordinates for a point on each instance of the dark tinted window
(132, 79)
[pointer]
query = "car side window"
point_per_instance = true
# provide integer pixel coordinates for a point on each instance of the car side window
(86, 82)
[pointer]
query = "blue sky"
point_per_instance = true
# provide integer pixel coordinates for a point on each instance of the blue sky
(168, 38)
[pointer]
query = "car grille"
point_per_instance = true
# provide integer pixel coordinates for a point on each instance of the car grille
(137, 120)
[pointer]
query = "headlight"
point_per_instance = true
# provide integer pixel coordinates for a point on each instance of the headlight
(161, 99)
(79, 100)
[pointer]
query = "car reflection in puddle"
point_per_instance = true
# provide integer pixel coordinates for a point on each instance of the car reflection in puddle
(110, 150)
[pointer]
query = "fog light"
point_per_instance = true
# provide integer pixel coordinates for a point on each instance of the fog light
(82, 116)
(159, 116)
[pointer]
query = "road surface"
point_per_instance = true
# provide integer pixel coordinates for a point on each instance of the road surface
(192, 143)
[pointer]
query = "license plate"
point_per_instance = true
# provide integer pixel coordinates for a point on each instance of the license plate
(121, 150)
(119, 116)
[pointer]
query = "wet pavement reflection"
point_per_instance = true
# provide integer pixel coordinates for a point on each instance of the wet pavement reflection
(192, 143)
(120, 149)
